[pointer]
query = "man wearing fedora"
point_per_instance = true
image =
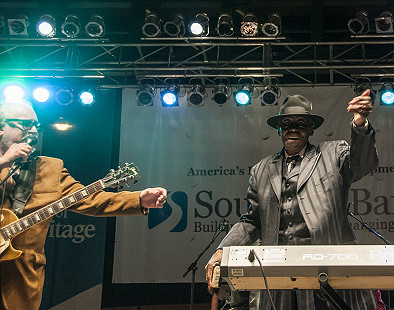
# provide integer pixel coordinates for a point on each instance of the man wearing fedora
(299, 195)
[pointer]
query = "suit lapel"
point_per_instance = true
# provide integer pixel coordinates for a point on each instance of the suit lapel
(275, 174)
(308, 164)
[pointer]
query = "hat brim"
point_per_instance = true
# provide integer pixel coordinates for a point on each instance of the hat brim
(273, 121)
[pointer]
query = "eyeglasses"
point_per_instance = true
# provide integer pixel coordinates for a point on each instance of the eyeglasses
(300, 125)
(23, 124)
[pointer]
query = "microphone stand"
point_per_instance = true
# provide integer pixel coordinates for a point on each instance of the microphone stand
(193, 266)
(370, 229)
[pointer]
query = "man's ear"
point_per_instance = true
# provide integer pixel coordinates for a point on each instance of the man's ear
(311, 132)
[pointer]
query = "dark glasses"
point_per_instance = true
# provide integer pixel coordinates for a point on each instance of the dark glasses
(300, 125)
(23, 124)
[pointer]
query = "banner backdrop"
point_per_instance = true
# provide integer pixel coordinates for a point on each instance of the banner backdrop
(203, 155)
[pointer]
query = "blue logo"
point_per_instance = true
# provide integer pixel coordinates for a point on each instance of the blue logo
(158, 216)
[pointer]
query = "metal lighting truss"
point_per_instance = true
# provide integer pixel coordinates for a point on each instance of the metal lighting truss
(124, 64)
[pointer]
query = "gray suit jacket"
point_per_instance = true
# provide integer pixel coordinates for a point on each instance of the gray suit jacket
(326, 173)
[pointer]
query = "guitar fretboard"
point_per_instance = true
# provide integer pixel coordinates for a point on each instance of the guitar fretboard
(14, 228)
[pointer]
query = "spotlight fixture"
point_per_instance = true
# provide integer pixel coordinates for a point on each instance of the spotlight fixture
(13, 93)
(41, 94)
(87, 97)
(197, 94)
(224, 26)
(384, 23)
(145, 95)
(269, 95)
(62, 125)
(18, 26)
(152, 25)
(169, 96)
(46, 26)
(249, 25)
(243, 96)
(361, 85)
(71, 26)
(359, 24)
(176, 26)
(95, 27)
(272, 27)
(200, 25)
(221, 93)
(387, 94)
(64, 96)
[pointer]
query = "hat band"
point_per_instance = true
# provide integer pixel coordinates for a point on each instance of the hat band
(294, 110)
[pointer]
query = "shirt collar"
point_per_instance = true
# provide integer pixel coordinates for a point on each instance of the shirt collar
(301, 153)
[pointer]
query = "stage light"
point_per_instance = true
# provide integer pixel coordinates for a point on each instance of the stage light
(384, 23)
(152, 25)
(87, 97)
(387, 94)
(71, 26)
(197, 94)
(13, 93)
(221, 93)
(41, 94)
(18, 26)
(361, 85)
(272, 27)
(62, 125)
(270, 95)
(46, 26)
(169, 97)
(95, 27)
(145, 95)
(200, 25)
(176, 26)
(64, 96)
(359, 24)
(224, 26)
(249, 25)
(243, 95)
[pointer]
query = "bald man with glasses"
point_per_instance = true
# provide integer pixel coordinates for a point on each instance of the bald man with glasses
(22, 279)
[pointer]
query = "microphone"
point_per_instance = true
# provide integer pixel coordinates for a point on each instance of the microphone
(31, 140)
(224, 226)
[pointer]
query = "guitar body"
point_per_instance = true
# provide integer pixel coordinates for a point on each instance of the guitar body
(11, 225)
(7, 252)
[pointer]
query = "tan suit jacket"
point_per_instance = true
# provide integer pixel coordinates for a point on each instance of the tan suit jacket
(22, 280)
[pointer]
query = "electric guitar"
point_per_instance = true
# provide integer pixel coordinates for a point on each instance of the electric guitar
(10, 225)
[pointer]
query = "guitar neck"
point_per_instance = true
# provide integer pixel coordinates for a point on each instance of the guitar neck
(14, 228)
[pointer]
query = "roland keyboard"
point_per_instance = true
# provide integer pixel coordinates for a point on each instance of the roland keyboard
(299, 267)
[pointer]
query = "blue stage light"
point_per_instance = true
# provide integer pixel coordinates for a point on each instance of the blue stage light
(169, 97)
(243, 95)
(86, 97)
(387, 94)
(46, 26)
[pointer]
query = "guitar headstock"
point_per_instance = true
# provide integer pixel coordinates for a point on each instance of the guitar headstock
(125, 174)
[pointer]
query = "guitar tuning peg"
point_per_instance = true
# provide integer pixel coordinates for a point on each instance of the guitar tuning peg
(118, 167)
(112, 170)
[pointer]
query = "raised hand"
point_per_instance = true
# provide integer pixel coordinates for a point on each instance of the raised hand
(361, 106)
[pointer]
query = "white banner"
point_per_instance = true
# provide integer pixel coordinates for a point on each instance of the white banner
(202, 155)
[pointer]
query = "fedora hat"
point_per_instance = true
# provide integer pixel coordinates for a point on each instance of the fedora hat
(295, 106)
